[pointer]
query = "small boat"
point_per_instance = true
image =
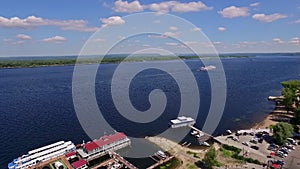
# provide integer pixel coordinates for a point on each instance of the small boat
(207, 68)
(194, 132)
(228, 132)
(161, 154)
(204, 144)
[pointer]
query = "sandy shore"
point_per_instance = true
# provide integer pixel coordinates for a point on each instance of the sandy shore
(278, 114)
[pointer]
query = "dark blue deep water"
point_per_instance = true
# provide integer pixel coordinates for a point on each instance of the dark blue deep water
(36, 106)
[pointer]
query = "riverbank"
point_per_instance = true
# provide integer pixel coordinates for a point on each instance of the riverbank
(189, 157)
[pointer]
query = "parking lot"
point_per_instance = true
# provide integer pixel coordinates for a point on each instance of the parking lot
(259, 150)
(292, 161)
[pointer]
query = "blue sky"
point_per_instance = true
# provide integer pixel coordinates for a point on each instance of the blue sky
(62, 27)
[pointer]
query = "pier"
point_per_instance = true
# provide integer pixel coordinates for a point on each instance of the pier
(275, 98)
(116, 156)
(204, 136)
(158, 163)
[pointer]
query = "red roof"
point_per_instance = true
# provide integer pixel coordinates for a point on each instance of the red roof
(73, 153)
(104, 140)
(79, 163)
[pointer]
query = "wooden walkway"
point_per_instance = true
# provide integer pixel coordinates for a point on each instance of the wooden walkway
(160, 162)
(114, 155)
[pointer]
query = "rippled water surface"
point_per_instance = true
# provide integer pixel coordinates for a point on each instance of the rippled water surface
(36, 106)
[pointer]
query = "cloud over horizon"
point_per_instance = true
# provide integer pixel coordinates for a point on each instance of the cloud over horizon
(268, 18)
(233, 12)
(162, 7)
(55, 39)
(33, 21)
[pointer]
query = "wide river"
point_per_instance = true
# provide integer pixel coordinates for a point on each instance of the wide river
(36, 105)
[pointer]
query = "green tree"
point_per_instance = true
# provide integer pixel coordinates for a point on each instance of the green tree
(210, 158)
(289, 98)
(289, 92)
(294, 85)
(282, 131)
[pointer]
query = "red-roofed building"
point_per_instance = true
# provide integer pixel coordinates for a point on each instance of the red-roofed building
(104, 144)
(80, 164)
(71, 155)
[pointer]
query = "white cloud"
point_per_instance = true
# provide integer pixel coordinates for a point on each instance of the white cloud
(233, 11)
(172, 44)
(166, 35)
(128, 7)
(255, 4)
(217, 43)
(99, 40)
(33, 21)
(55, 39)
(176, 6)
(196, 29)
(297, 21)
(173, 28)
(188, 43)
(268, 18)
(6, 40)
(11, 42)
(277, 40)
(20, 42)
(113, 20)
(295, 41)
(190, 7)
(23, 37)
(247, 43)
(171, 34)
(221, 29)
(157, 36)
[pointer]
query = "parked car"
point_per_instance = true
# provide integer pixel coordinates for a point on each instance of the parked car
(272, 148)
(255, 147)
(230, 137)
(235, 139)
(275, 145)
(281, 154)
(280, 162)
(253, 140)
(292, 141)
(284, 151)
(246, 143)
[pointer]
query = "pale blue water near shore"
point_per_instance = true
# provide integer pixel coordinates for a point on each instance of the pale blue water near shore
(36, 105)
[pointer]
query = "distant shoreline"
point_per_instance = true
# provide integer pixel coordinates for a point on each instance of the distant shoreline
(72, 62)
